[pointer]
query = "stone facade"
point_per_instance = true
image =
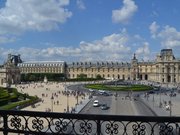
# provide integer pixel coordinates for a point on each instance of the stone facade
(107, 70)
(165, 69)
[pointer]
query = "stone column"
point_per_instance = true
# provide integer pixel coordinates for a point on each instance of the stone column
(160, 73)
(177, 73)
(156, 74)
(172, 73)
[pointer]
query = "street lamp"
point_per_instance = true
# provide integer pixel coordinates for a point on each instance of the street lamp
(67, 102)
(116, 83)
(131, 97)
(77, 99)
(153, 99)
(52, 99)
(160, 103)
(170, 104)
(170, 108)
(116, 96)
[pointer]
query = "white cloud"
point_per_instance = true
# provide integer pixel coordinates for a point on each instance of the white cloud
(80, 4)
(124, 14)
(153, 29)
(168, 36)
(63, 2)
(114, 47)
(22, 15)
(144, 51)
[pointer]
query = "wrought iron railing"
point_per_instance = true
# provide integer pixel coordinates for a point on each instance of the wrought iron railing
(28, 122)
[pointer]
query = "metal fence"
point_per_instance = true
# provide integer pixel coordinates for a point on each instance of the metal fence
(28, 122)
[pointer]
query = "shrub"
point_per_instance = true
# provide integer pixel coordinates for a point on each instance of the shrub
(15, 98)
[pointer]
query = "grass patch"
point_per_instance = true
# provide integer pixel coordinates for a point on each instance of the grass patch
(118, 88)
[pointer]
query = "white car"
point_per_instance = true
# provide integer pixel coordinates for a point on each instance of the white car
(101, 92)
(96, 103)
(91, 90)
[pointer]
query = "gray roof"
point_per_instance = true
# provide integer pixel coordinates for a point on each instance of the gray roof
(41, 63)
(99, 64)
(146, 63)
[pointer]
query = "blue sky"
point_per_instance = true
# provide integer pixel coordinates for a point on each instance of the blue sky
(88, 30)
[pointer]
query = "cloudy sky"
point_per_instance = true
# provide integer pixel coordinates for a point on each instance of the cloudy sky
(88, 30)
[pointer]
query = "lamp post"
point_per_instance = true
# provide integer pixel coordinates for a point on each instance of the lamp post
(153, 99)
(52, 99)
(116, 83)
(170, 108)
(131, 95)
(116, 96)
(170, 103)
(77, 99)
(160, 103)
(67, 102)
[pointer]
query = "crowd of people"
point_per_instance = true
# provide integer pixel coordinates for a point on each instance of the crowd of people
(54, 96)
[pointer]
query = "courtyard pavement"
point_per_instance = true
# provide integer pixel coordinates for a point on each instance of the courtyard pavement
(60, 100)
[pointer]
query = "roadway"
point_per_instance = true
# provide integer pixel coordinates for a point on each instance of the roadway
(119, 106)
(122, 104)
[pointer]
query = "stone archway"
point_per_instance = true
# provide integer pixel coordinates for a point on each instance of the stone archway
(169, 78)
(13, 79)
(141, 77)
(2, 81)
(146, 77)
(123, 77)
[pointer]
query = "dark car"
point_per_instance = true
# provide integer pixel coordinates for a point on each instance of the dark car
(151, 92)
(106, 93)
(104, 107)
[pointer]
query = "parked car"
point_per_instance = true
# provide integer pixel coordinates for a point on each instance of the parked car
(96, 103)
(104, 107)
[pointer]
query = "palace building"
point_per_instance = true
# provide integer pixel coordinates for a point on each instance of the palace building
(164, 69)
(107, 70)
(42, 67)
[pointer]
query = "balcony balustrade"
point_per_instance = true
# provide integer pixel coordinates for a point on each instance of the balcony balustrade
(29, 122)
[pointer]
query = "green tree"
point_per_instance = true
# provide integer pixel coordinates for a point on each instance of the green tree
(98, 77)
(40, 77)
(82, 76)
(32, 77)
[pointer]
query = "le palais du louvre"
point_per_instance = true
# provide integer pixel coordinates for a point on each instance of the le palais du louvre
(164, 69)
